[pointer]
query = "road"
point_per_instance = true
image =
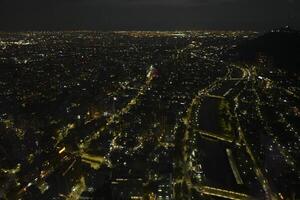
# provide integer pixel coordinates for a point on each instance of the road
(61, 146)
(217, 192)
(258, 171)
(246, 76)
(187, 119)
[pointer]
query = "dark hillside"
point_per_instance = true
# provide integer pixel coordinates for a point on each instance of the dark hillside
(281, 45)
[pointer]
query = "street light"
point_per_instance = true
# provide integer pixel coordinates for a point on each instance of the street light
(114, 104)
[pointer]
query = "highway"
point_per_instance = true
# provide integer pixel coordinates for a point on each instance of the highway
(260, 175)
(258, 171)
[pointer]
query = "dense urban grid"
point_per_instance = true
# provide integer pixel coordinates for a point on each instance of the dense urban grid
(144, 115)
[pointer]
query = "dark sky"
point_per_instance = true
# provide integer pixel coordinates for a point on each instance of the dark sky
(148, 14)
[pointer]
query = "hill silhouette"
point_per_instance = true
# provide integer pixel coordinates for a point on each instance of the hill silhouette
(281, 45)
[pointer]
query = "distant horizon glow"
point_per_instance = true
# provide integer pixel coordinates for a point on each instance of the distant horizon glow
(128, 15)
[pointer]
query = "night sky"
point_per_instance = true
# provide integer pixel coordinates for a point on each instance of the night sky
(18, 15)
